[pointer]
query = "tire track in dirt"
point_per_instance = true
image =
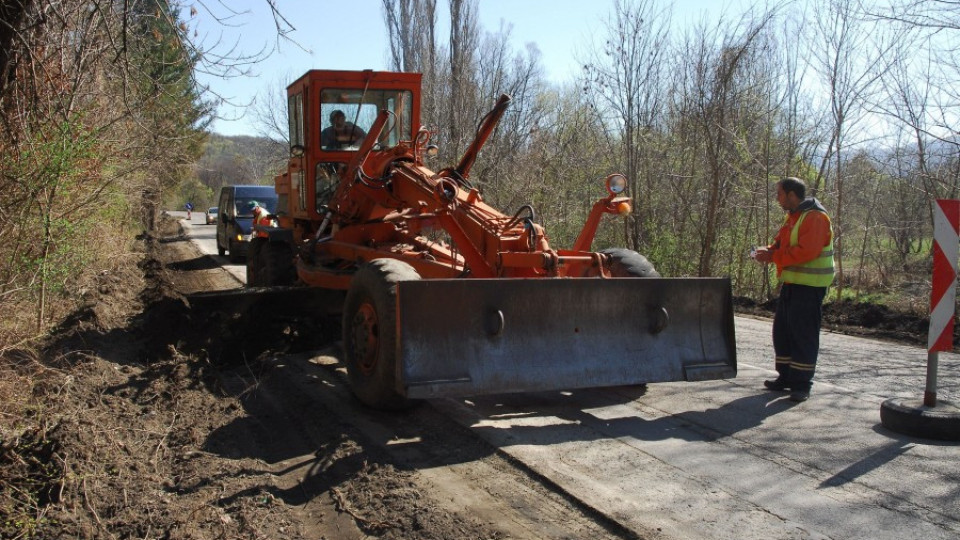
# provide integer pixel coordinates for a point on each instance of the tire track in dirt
(304, 423)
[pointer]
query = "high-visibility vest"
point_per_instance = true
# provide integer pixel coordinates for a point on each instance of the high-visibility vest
(263, 221)
(815, 273)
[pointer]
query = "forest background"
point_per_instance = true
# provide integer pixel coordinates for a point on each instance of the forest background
(103, 125)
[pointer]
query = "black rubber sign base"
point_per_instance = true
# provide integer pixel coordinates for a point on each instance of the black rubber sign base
(912, 417)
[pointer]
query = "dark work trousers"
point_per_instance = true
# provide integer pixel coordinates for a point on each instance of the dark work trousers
(254, 247)
(796, 334)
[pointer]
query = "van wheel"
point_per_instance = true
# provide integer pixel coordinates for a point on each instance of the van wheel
(370, 333)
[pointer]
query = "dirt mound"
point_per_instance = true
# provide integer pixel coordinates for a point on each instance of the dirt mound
(145, 421)
(859, 319)
(879, 321)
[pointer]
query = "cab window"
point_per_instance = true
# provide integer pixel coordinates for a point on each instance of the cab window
(295, 113)
(346, 117)
(327, 179)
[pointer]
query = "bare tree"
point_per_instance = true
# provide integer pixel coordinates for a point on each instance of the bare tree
(270, 109)
(464, 43)
(849, 61)
(99, 114)
(13, 13)
(565, 163)
(717, 93)
(919, 86)
(506, 172)
(625, 79)
(411, 26)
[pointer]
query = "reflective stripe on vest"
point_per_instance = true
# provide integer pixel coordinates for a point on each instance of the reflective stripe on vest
(815, 273)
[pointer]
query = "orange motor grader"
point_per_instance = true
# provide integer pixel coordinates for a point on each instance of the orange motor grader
(444, 295)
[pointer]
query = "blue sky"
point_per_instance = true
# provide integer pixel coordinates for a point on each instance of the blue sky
(350, 34)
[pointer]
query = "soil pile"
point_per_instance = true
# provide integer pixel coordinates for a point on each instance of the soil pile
(135, 423)
(860, 319)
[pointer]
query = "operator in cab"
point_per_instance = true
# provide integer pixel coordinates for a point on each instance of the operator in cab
(340, 133)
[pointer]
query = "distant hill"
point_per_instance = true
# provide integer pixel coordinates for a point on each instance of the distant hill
(240, 160)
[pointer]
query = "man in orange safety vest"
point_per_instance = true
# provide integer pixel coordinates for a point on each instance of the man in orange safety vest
(262, 218)
(803, 254)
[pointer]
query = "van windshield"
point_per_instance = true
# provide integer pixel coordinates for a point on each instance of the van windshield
(244, 210)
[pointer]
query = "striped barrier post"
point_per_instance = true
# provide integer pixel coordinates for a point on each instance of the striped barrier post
(927, 418)
(943, 297)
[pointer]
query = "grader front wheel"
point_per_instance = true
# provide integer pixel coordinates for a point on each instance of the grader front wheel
(369, 333)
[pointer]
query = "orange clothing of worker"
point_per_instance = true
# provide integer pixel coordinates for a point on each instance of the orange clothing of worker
(813, 236)
(261, 217)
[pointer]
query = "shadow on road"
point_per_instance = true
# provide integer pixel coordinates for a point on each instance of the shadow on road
(204, 262)
(301, 420)
(898, 446)
(564, 417)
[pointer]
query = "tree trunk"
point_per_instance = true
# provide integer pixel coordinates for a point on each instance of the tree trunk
(12, 13)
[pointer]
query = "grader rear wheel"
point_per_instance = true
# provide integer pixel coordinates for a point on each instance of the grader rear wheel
(369, 333)
(629, 263)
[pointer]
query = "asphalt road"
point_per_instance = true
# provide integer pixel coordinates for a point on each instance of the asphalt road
(205, 236)
(727, 459)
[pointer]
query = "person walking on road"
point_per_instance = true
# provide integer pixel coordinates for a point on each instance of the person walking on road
(803, 253)
(261, 219)
(189, 207)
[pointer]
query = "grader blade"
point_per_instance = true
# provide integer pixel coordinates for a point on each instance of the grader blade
(461, 337)
(271, 301)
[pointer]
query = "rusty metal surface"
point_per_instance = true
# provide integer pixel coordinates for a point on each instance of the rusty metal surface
(480, 336)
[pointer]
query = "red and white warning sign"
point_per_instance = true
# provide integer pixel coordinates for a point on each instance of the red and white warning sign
(946, 240)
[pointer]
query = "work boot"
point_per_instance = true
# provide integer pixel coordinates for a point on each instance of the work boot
(799, 396)
(777, 385)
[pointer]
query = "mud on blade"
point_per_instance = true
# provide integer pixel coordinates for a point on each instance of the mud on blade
(480, 336)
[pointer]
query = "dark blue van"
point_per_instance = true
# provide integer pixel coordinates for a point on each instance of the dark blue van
(235, 221)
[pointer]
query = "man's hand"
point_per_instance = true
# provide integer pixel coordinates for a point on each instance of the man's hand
(763, 255)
